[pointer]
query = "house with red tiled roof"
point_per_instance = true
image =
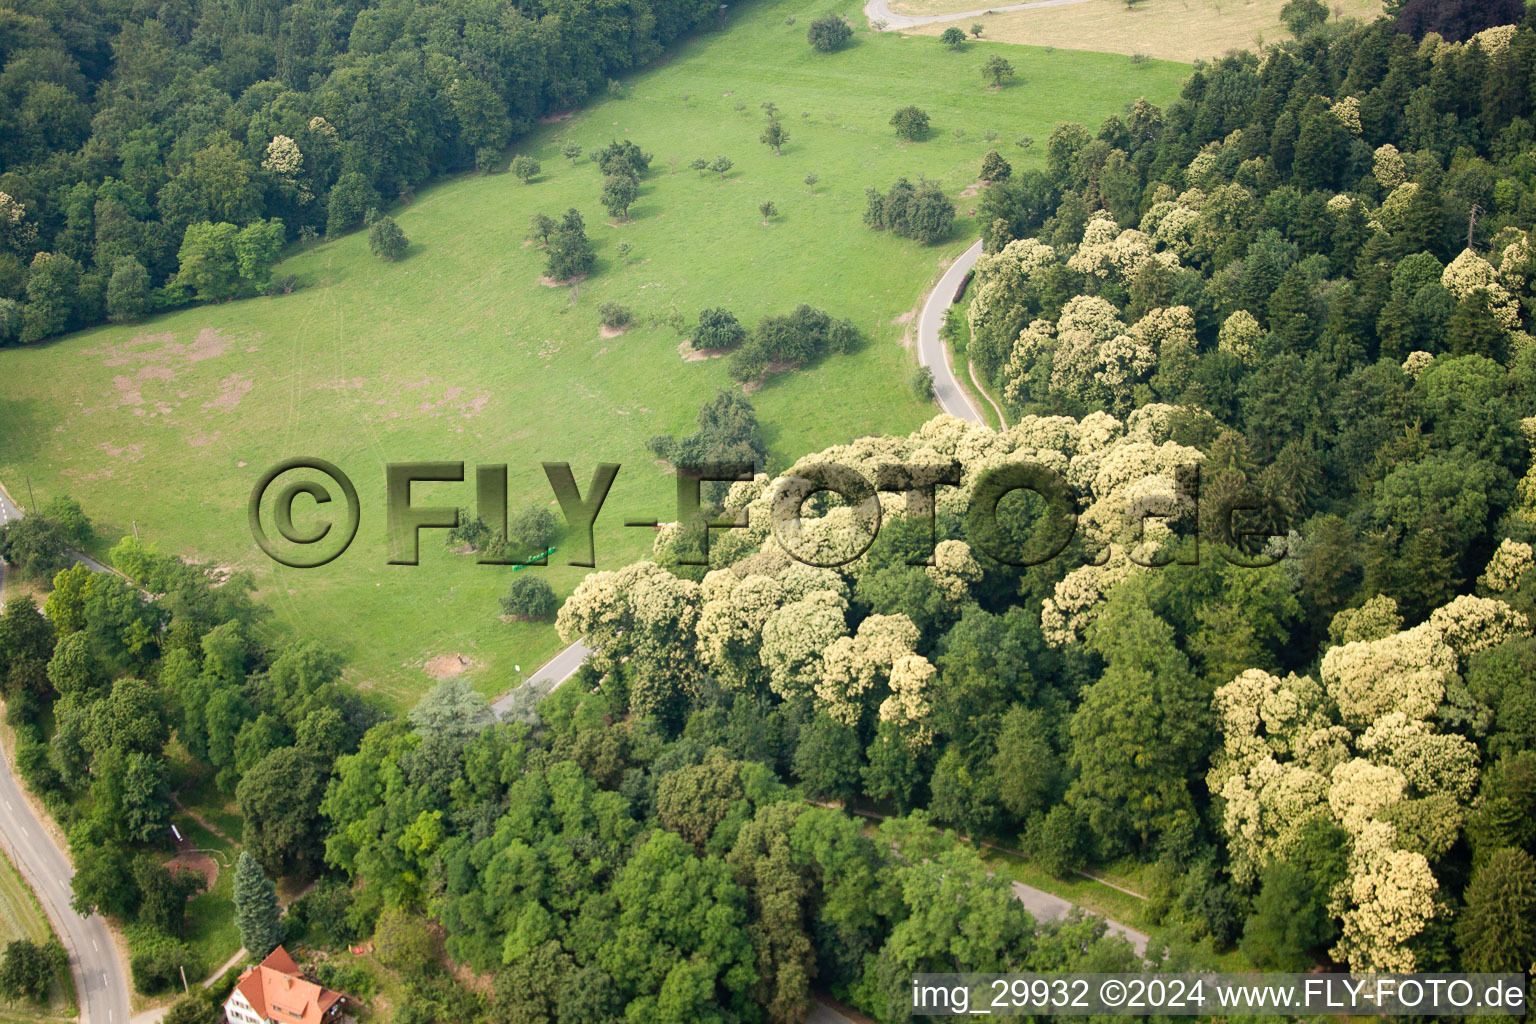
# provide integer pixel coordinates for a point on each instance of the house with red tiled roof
(276, 992)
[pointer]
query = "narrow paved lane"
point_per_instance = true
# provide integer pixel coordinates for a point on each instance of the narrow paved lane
(545, 680)
(931, 350)
(1049, 907)
(100, 984)
(8, 511)
(880, 10)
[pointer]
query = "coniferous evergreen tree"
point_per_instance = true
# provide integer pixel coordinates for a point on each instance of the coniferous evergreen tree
(256, 911)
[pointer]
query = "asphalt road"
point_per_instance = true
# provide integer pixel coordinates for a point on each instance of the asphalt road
(548, 676)
(99, 980)
(101, 987)
(8, 511)
(1047, 907)
(931, 350)
(880, 10)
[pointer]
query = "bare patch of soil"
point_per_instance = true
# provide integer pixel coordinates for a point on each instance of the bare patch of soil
(231, 390)
(449, 666)
(613, 332)
(188, 859)
(696, 355)
(549, 282)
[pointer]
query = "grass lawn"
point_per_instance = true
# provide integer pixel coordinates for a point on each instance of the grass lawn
(459, 353)
(22, 918)
(1184, 30)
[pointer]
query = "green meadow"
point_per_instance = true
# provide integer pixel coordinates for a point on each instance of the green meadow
(460, 353)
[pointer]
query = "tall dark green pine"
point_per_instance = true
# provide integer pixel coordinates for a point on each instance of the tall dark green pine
(1473, 330)
(256, 911)
(1291, 312)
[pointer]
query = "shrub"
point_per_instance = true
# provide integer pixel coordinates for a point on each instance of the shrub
(28, 969)
(922, 211)
(158, 961)
(795, 339)
(531, 530)
(953, 38)
(718, 328)
(613, 315)
(911, 123)
(994, 167)
(320, 918)
(486, 158)
(768, 210)
(386, 240)
(921, 383)
(829, 33)
(529, 598)
(748, 364)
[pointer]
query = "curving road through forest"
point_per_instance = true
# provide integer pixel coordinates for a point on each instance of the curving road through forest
(101, 986)
(100, 982)
(931, 350)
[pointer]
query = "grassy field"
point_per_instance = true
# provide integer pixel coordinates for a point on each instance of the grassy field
(1184, 30)
(22, 918)
(459, 353)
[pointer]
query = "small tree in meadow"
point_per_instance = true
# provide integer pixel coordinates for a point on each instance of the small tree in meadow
(768, 210)
(529, 598)
(911, 123)
(997, 70)
(571, 151)
(701, 165)
(386, 240)
(977, 28)
(540, 227)
(1301, 16)
(569, 252)
(829, 33)
(774, 135)
(525, 167)
(722, 165)
(614, 316)
(619, 194)
(810, 182)
(953, 38)
(622, 250)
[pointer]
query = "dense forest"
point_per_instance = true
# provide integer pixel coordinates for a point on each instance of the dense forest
(123, 125)
(1294, 694)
